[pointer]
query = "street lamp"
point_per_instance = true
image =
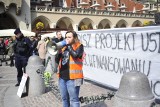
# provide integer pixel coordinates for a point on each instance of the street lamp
(157, 4)
(27, 24)
(26, 21)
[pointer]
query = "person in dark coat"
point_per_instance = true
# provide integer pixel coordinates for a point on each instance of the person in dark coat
(10, 51)
(58, 38)
(34, 43)
(22, 51)
(2, 50)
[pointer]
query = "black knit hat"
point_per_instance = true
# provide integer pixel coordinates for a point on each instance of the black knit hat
(17, 31)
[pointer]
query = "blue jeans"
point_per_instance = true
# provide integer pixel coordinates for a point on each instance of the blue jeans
(69, 93)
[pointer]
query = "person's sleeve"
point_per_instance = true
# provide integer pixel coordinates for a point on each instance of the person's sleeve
(37, 46)
(76, 53)
(1, 45)
(29, 44)
(58, 57)
(14, 46)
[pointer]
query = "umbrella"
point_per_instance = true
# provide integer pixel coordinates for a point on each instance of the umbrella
(10, 32)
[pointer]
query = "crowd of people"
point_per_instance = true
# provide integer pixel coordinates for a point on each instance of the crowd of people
(6, 50)
(69, 60)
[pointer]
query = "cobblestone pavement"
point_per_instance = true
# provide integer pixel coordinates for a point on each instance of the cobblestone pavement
(7, 81)
(89, 92)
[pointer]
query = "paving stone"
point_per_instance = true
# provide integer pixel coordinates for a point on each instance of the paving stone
(88, 90)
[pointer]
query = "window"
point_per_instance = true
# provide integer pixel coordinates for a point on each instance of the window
(94, 1)
(61, 3)
(123, 10)
(105, 1)
(78, 2)
(122, 5)
(109, 9)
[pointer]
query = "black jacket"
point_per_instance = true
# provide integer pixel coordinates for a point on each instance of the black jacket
(2, 48)
(56, 40)
(22, 47)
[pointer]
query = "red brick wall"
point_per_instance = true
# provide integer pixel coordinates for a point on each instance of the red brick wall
(128, 3)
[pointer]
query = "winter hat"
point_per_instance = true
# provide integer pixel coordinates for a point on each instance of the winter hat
(17, 31)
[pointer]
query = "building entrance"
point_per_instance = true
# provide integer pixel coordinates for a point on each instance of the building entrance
(7, 22)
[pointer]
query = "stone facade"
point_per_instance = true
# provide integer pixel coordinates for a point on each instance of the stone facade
(25, 15)
(17, 3)
(18, 11)
(72, 18)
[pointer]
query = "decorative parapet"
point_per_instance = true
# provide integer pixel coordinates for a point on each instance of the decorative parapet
(90, 12)
(18, 4)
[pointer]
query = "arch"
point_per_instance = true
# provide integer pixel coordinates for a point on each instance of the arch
(13, 7)
(42, 19)
(86, 21)
(100, 26)
(7, 7)
(65, 23)
(8, 21)
(104, 24)
(137, 23)
(152, 22)
(2, 7)
(121, 24)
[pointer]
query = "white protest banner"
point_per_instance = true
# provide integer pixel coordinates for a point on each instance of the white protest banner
(112, 52)
(22, 84)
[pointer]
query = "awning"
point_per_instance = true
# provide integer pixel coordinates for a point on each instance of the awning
(10, 32)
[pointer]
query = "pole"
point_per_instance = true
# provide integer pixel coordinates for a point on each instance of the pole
(120, 5)
(157, 5)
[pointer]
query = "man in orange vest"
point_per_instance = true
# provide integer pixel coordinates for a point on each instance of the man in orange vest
(70, 70)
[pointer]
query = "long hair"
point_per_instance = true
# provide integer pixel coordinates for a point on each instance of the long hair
(75, 36)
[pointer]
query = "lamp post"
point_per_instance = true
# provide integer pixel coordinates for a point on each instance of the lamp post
(27, 24)
(157, 4)
(26, 21)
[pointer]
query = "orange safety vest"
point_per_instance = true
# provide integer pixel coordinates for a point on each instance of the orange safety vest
(75, 64)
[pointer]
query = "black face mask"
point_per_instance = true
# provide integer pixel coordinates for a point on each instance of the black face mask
(20, 37)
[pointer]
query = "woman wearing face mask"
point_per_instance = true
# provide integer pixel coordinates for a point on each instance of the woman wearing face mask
(70, 70)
